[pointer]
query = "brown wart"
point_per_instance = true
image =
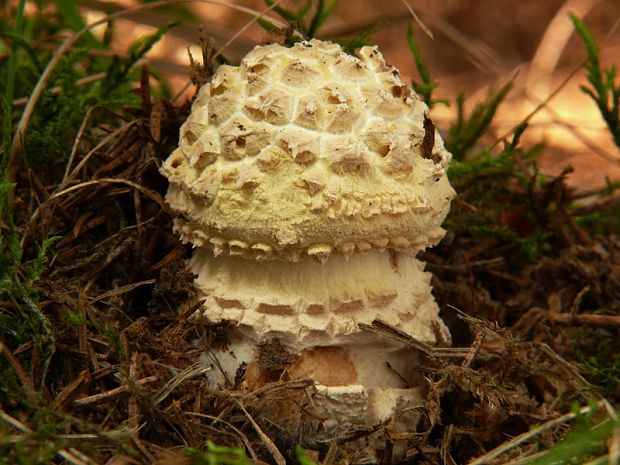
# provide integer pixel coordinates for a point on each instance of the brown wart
(428, 142)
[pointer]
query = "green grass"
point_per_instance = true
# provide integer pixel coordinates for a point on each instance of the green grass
(585, 442)
(304, 24)
(212, 454)
(604, 86)
(426, 87)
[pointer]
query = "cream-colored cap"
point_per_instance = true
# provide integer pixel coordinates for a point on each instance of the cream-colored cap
(308, 151)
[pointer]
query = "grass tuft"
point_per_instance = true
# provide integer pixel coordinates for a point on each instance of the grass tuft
(465, 132)
(300, 20)
(9, 88)
(426, 87)
(212, 454)
(585, 442)
(604, 87)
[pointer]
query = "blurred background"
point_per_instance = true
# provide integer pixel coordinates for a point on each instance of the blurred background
(476, 46)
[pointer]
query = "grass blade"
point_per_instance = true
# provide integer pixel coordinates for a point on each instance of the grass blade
(9, 90)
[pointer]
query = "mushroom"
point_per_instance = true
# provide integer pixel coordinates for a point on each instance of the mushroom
(307, 180)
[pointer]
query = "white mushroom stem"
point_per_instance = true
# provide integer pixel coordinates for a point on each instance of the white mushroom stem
(314, 309)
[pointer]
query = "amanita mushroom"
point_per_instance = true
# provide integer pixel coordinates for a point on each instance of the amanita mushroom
(307, 179)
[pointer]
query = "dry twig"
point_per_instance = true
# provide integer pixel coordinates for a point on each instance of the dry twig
(276, 454)
(529, 435)
(112, 393)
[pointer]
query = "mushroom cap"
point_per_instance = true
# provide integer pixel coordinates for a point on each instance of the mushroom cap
(307, 151)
